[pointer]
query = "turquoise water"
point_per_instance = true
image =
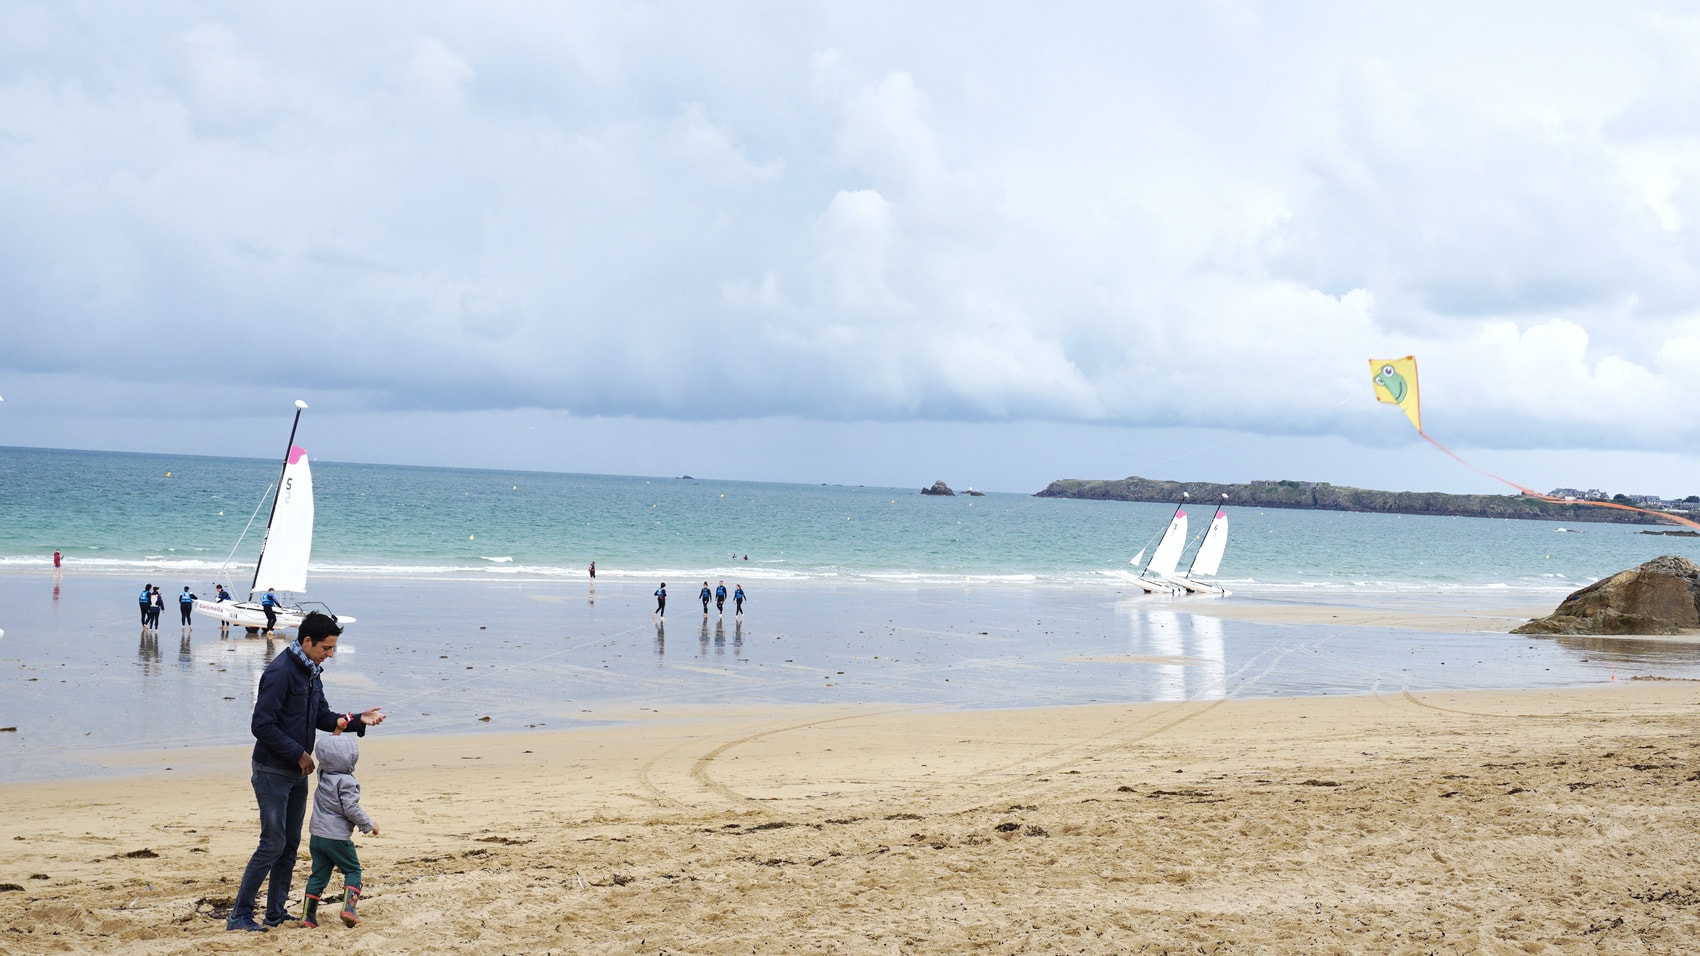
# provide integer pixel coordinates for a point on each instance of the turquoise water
(182, 516)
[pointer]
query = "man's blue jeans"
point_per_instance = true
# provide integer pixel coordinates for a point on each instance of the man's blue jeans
(283, 805)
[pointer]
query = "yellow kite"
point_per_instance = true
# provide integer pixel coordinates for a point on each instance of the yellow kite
(1395, 383)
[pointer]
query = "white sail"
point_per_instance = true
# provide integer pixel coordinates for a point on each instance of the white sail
(1209, 556)
(289, 538)
(1168, 553)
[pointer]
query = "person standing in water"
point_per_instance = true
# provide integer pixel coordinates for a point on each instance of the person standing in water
(720, 599)
(661, 600)
(738, 601)
(593, 570)
(185, 605)
(55, 560)
(145, 601)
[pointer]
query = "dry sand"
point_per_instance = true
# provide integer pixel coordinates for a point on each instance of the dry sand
(1506, 822)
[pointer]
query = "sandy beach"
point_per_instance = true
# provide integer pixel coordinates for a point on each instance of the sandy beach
(1529, 822)
(835, 779)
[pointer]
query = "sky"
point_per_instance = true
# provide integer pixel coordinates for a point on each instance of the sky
(993, 244)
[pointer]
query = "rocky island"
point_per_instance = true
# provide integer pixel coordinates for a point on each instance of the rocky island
(1322, 496)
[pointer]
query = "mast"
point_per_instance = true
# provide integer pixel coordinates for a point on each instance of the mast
(300, 406)
(1178, 506)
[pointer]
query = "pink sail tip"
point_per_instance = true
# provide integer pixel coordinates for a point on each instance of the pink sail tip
(296, 453)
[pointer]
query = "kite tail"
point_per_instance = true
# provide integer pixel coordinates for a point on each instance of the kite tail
(1559, 501)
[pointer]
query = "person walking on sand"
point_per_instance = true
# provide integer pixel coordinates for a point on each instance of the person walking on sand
(720, 598)
(738, 601)
(593, 570)
(185, 605)
(156, 607)
(145, 601)
(704, 597)
(336, 812)
(269, 605)
(661, 600)
(289, 710)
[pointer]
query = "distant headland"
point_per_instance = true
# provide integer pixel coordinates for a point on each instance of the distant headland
(1322, 496)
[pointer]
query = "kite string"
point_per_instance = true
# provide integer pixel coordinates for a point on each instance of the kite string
(1556, 500)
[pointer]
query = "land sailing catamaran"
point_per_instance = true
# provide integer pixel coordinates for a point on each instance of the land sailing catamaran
(1160, 575)
(1155, 577)
(283, 554)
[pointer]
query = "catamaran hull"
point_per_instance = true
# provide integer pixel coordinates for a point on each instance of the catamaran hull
(250, 615)
(1154, 587)
(1198, 587)
(247, 614)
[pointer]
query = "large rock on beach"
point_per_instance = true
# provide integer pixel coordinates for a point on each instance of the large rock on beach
(1659, 597)
(938, 488)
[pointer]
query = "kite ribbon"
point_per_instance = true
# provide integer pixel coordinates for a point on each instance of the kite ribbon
(1557, 500)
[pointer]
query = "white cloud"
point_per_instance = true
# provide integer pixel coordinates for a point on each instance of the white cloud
(1125, 216)
(438, 74)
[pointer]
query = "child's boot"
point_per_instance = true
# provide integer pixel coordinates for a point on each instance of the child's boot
(350, 895)
(310, 912)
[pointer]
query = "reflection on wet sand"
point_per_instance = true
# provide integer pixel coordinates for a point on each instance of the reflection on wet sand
(1628, 650)
(1188, 658)
(147, 652)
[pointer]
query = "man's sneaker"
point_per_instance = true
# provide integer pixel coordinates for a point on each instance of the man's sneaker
(246, 923)
(280, 920)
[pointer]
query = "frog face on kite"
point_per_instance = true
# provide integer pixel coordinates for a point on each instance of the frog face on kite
(1393, 382)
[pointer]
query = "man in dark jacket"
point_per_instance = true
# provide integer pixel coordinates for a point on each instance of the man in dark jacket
(288, 713)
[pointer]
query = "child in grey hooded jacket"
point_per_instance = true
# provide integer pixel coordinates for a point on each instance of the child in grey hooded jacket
(336, 812)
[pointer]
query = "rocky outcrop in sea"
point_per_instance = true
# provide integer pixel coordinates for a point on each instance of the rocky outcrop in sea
(1661, 596)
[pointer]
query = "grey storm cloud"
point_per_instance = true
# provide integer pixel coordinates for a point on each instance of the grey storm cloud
(1121, 214)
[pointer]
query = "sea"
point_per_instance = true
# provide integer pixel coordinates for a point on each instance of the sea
(473, 611)
(202, 519)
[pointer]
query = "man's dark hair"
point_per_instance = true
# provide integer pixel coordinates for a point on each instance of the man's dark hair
(317, 626)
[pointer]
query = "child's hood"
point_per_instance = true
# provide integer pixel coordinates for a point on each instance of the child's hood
(337, 753)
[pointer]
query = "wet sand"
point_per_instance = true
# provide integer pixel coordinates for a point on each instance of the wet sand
(81, 685)
(1531, 822)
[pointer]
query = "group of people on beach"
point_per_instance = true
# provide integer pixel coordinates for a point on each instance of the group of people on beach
(717, 595)
(152, 604)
